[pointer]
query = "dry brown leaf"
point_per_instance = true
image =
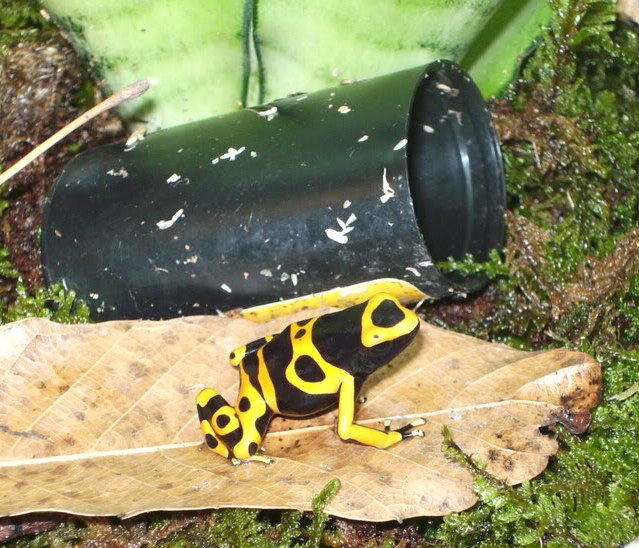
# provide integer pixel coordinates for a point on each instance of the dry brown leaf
(100, 419)
(629, 9)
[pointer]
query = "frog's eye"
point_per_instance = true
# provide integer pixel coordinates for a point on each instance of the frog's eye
(387, 314)
(385, 319)
(237, 355)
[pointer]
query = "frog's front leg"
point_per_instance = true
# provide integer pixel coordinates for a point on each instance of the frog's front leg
(364, 434)
(240, 352)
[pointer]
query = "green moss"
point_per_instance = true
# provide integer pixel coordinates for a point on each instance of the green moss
(570, 276)
(242, 527)
(493, 268)
(6, 268)
(52, 302)
(320, 518)
(67, 534)
(228, 528)
(21, 20)
(246, 527)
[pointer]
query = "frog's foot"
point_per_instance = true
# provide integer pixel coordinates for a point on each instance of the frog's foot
(213, 442)
(219, 422)
(254, 458)
(407, 430)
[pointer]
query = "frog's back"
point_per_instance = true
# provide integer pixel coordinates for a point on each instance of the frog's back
(299, 379)
(308, 361)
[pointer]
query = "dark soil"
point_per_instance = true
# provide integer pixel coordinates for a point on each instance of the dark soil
(43, 89)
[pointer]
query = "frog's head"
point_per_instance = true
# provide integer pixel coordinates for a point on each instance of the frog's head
(387, 329)
(366, 336)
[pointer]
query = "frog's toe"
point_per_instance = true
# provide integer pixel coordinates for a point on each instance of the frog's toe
(407, 430)
(263, 458)
(255, 458)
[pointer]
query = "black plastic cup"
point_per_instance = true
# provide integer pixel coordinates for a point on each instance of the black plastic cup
(382, 178)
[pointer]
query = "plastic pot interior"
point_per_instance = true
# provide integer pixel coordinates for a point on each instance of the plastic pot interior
(455, 170)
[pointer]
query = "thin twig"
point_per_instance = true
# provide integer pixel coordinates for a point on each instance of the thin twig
(125, 94)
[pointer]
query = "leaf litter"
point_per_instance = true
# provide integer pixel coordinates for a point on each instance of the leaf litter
(99, 420)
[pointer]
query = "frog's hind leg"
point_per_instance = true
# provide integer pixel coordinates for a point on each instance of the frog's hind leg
(219, 422)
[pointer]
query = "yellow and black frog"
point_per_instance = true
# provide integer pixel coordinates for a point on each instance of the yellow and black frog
(308, 368)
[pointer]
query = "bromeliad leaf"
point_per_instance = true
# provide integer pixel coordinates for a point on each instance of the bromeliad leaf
(100, 419)
(218, 55)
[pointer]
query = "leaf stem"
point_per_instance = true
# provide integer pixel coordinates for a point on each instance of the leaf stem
(250, 49)
(125, 94)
